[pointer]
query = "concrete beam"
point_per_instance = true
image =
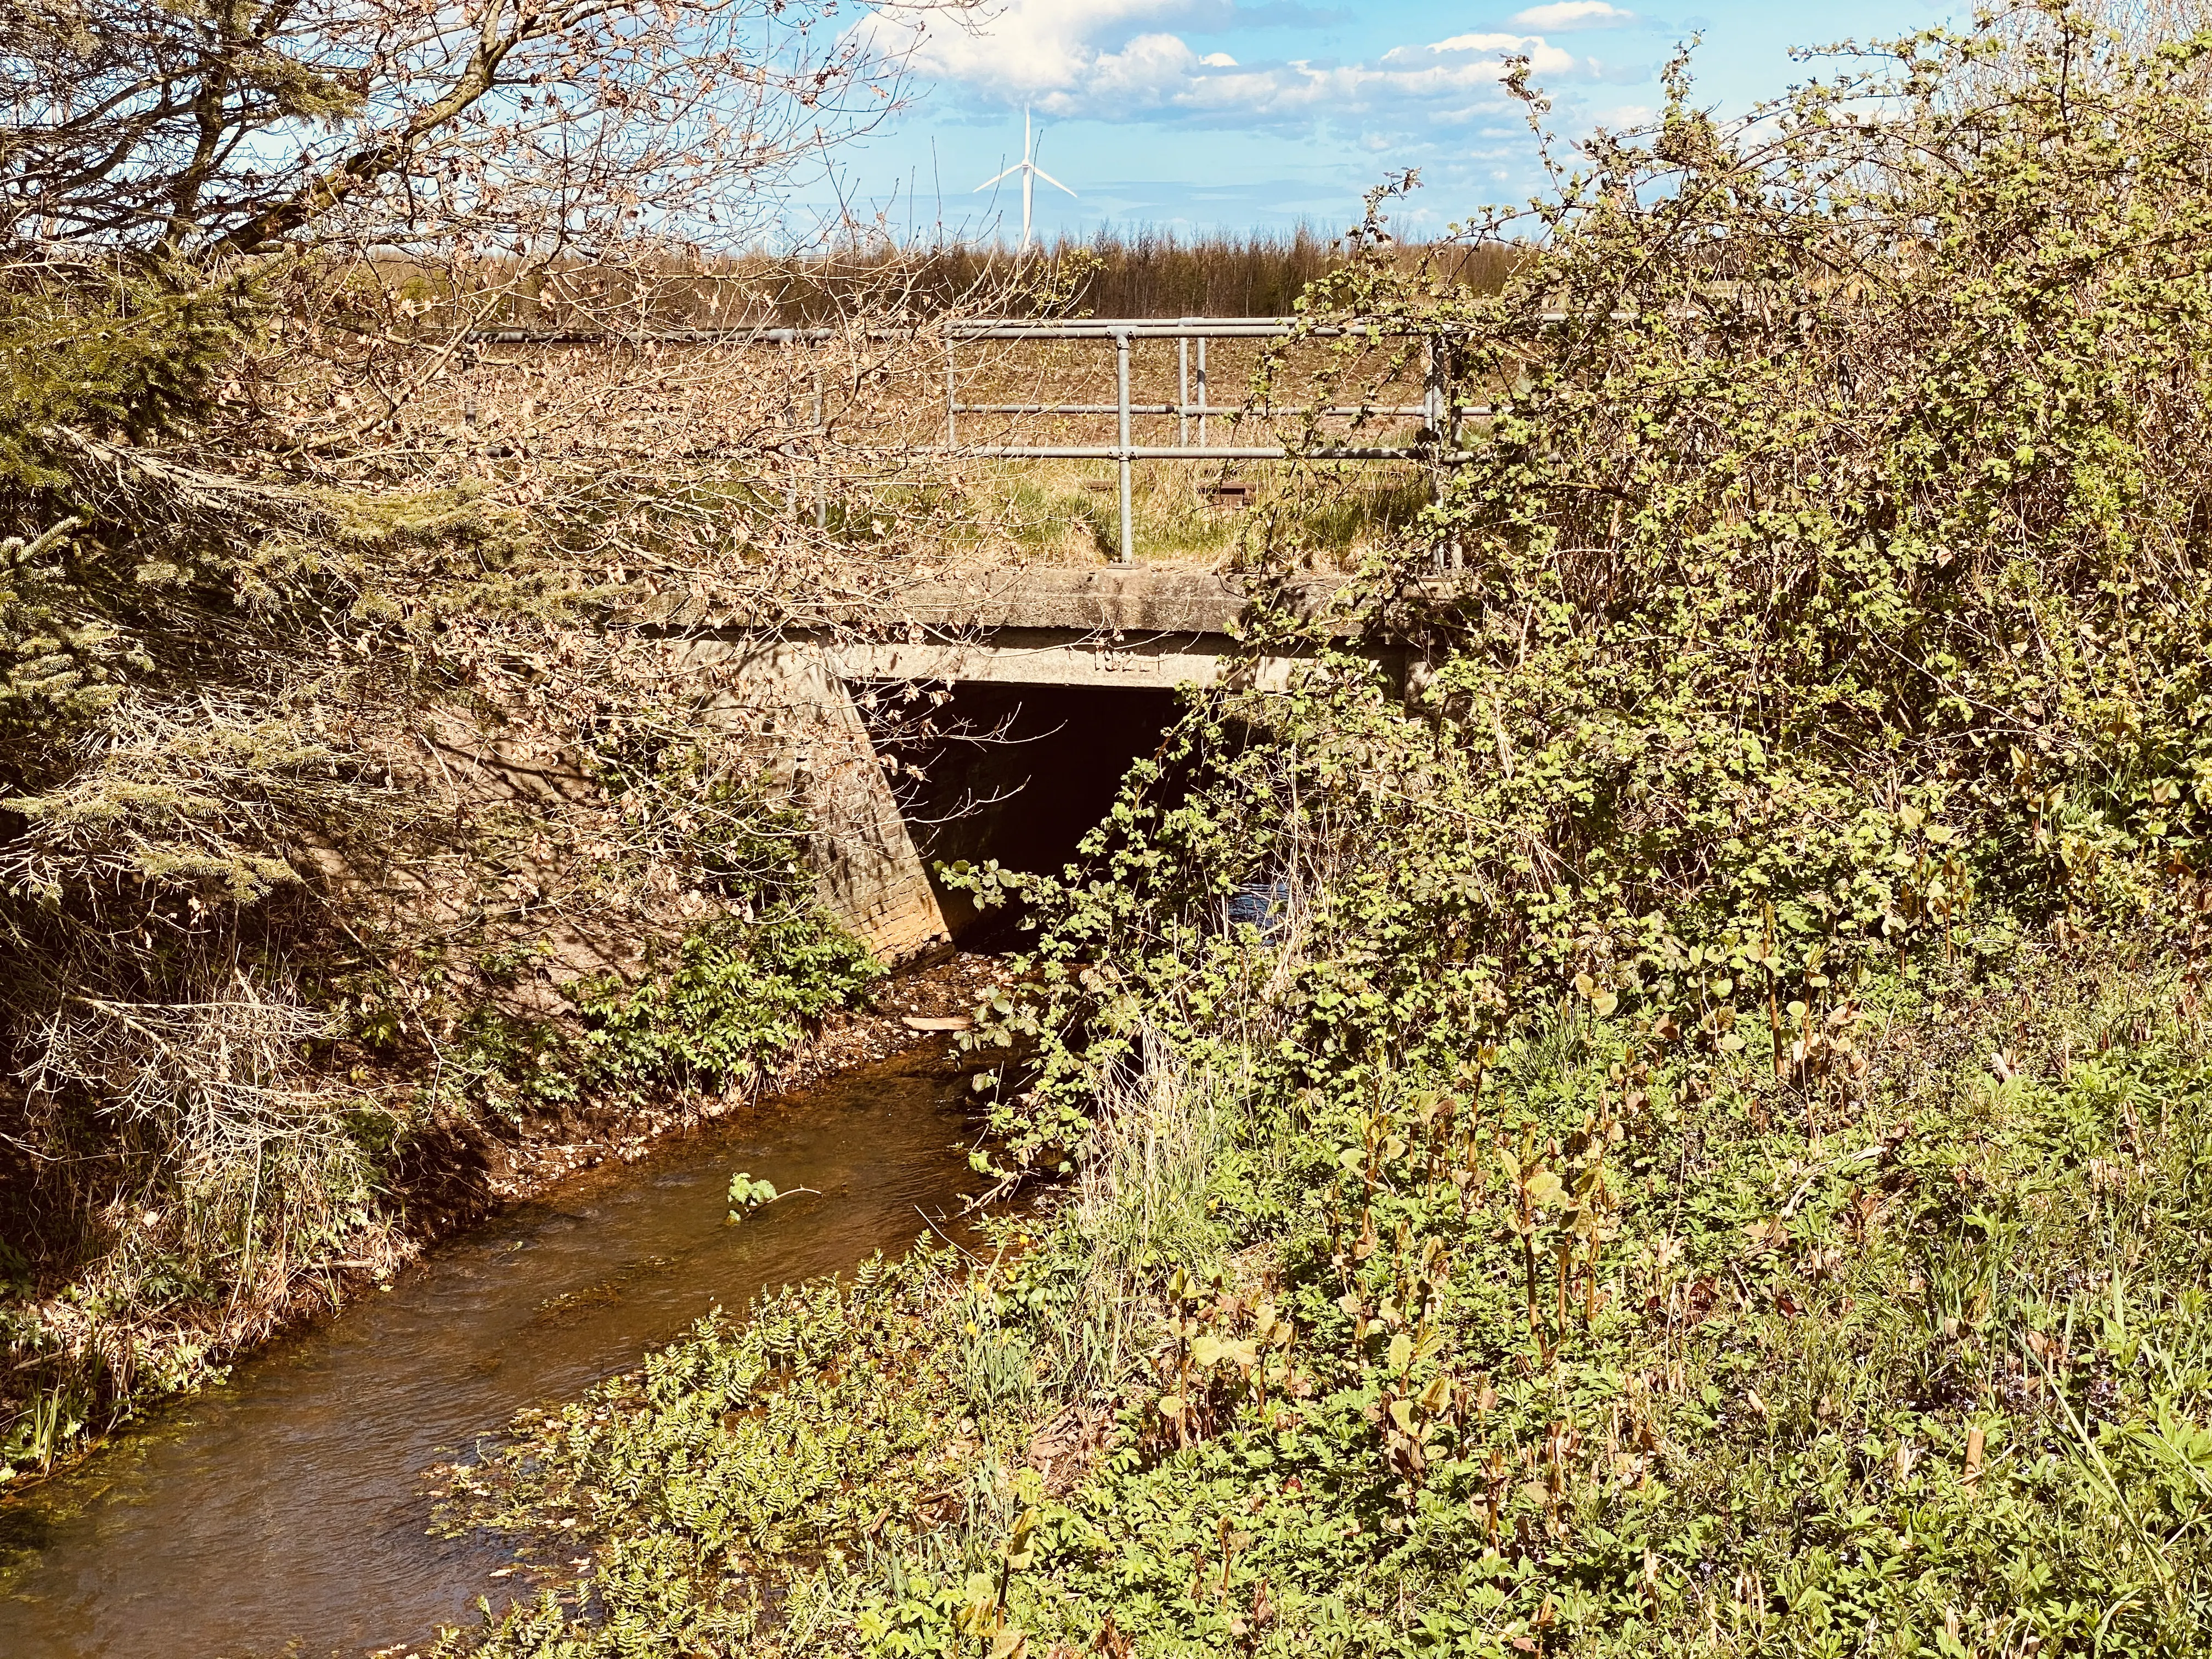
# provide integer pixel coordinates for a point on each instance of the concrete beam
(1036, 656)
(1141, 599)
(1137, 629)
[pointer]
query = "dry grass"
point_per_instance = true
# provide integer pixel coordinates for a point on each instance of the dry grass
(1068, 511)
(1112, 273)
(1141, 273)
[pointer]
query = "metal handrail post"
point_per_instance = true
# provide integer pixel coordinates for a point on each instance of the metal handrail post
(1121, 377)
(791, 480)
(1182, 389)
(1431, 395)
(1201, 392)
(1444, 371)
(821, 478)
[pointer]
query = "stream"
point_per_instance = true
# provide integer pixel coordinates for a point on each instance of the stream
(283, 1513)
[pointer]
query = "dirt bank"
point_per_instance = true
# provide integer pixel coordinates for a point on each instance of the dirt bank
(453, 1177)
(458, 1173)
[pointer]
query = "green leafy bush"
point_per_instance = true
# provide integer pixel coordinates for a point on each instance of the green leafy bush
(736, 995)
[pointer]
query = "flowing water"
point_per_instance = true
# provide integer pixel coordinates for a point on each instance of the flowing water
(283, 1513)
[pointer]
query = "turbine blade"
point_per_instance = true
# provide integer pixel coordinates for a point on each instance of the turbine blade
(1050, 179)
(1008, 173)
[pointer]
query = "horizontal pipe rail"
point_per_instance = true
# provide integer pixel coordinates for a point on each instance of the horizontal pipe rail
(1214, 328)
(1225, 328)
(987, 328)
(1191, 453)
(1148, 328)
(1337, 411)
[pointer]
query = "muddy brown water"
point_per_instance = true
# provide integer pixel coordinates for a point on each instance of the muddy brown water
(283, 1513)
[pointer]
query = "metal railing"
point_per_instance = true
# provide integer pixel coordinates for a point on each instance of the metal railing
(1439, 410)
(1439, 413)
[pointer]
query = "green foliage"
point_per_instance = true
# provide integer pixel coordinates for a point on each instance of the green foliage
(747, 1194)
(137, 359)
(1938, 1372)
(725, 1000)
(735, 996)
(82, 364)
(988, 883)
(818, 1425)
(1707, 1154)
(1761, 1391)
(1802, 614)
(63, 666)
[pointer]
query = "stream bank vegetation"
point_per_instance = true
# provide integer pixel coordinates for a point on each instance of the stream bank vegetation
(1684, 1128)
(358, 824)
(352, 827)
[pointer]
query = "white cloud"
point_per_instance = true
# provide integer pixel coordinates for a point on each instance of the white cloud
(1061, 56)
(1563, 17)
(1623, 117)
(1544, 58)
(1500, 43)
(1025, 48)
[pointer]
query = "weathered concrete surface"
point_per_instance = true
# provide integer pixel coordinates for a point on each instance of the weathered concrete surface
(1038, 656)
(866, 871)
(1040, 625)
(1067, 598)
(1141, 629)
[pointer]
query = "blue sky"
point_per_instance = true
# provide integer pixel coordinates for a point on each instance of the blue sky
(1197, 114)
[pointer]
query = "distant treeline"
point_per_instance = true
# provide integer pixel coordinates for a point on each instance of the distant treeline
(1111, 273)
(1154, 273)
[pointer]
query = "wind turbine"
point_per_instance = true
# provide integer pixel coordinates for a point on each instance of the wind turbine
(1030, 172)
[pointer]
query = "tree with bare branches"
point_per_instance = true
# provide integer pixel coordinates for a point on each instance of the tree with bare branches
(551, 128)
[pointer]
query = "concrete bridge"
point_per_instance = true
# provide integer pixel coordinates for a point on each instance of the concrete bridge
(1045, 684)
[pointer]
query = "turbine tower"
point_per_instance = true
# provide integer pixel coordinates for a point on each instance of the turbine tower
(1030, 172)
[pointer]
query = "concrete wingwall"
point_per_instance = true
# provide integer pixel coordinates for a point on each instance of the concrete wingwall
(867, 872)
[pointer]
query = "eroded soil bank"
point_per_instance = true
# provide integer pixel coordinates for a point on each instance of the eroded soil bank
(470, 1172)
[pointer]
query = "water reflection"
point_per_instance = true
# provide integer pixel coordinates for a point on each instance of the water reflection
(280, 1513)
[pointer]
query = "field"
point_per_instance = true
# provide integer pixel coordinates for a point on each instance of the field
(1112, 274)
(1212, 513)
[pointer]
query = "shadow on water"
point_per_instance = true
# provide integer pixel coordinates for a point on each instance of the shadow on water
(283, 1513)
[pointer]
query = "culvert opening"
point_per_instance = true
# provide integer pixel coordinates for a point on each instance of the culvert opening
(1016, 773)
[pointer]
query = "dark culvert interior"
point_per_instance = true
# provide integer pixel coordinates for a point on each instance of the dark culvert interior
(1016, 773)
